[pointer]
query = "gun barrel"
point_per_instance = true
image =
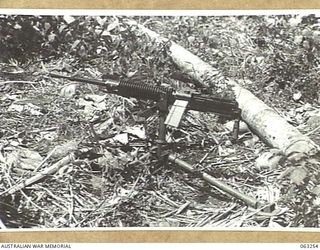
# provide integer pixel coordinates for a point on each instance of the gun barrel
(109, 84)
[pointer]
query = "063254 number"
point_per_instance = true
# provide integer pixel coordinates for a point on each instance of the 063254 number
(309, 246)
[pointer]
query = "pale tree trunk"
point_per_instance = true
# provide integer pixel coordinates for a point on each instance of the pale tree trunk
(262, 119)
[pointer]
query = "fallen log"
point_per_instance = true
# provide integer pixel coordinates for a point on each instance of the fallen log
(263, 120)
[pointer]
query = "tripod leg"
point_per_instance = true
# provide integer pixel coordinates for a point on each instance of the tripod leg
(162, 134)
(163, 111)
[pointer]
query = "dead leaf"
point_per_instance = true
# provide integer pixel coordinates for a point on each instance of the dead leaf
(17, 27)
(34, 110)
(69, 90)
(29, 107)
(62, 27)
(65, 170)
(24, 159)
(270, 193)
(164, 224)
(95, 98)
(122, 138)
(138, 131)
(16, 107)
(296, 156)
(75, 44)
(274, 224)
(106, 33)
(295, 21)
(64, 149)
(101, 21)
(316, 201)
(97, 182)
(316, 190)
(269, 160)
(313, 160)
(112, 26)
(82, 51)
(251, 142)
(316, 36)
(51, 37)
(121, 194)
(260, 59)
(191, 39)
(69, 19)
(298, 39)
(298, 175)
(314, 121)
(297, 96)
(225, 151)
(92, 103)
(105, 159)
(49, 136)
(47, 26)
(159, 223)
(101, 128)
(243, 127)
(307, 32)
(109, 161)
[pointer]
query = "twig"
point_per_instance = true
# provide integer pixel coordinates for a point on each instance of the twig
(224, 214)
(312, 131)
(71, 207)
(204, 157)
(8, 82)
(258, 211)
(44, 160)
(182, 208)
(50, 193)
(204, 220)
(166, 199)
(48, 171)
(144, 156)
(35, 205)
(2, 225)
(91, 212)
(133, 187)
(43, 130)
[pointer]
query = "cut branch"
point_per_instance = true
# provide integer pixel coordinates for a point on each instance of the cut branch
(38, 177)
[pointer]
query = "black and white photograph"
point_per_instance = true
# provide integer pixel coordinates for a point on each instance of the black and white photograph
(128, 120)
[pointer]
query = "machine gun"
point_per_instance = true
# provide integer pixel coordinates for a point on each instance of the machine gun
(166, 97)
(172, 105)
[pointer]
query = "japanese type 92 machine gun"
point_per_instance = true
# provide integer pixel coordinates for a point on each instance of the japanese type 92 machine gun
(171, 106)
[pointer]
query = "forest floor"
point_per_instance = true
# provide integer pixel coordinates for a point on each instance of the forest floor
(110, 176)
